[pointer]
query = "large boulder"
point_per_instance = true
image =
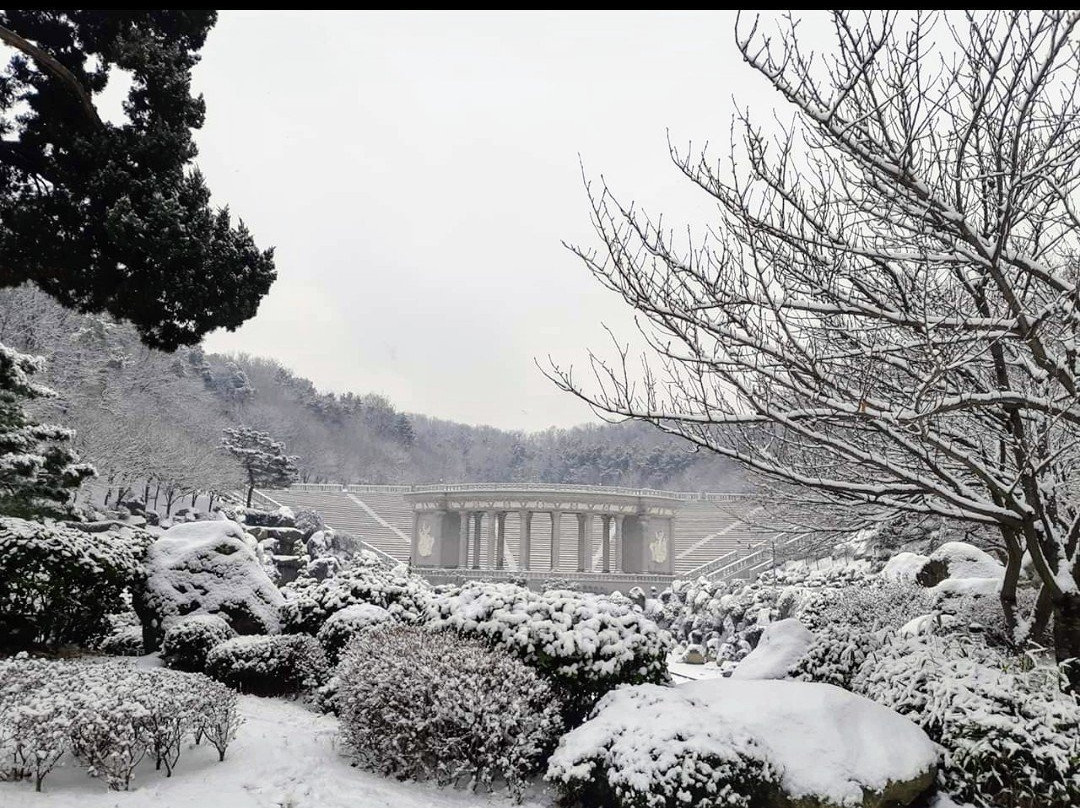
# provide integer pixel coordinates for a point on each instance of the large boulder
(782, 644)
(719, 742)
(206, 568)
(965, 565)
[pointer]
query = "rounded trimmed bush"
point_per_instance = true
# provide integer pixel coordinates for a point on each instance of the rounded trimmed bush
(124, 641)
(584, 644)
(310, 602)
(342, 626)
(188, 641)
(423, 704)
(273, 665)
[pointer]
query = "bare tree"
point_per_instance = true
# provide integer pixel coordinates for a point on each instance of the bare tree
(886, 312)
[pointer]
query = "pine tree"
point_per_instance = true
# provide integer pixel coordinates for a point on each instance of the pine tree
(38, 469)
(112, 217)
(263, 458)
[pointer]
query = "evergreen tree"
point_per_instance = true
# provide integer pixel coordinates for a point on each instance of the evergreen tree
(38, 469)
(263, 458)
(403, 430)
(115, 218)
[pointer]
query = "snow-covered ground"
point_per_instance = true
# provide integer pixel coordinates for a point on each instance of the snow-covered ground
(681, 671)
(284, 757)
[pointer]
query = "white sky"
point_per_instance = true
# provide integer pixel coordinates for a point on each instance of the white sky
(418, 171)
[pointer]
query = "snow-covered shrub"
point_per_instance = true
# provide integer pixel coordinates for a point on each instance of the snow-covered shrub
(58, 584)
(269, 665)
(123, 641)
(206, 568)
(1009, 734)
(107, 715)
(875, 603)
(188, 640)
(613, 759)
(586, 644)
(309, 520)
(837, 654)
(342, 626)
(422, 704)
(309, 602)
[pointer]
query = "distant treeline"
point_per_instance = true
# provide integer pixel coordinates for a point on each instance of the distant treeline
(143, 414)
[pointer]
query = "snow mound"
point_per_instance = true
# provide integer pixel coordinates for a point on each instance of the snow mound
(904, 566)
(207, 568)
(812, 741)
(781, 645)
(919, 626)
(967, 561)
(977, 587)
(209, 530)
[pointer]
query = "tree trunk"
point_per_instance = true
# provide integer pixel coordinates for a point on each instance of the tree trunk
(1014, 560)
(250, 489)
(1067, 637)
(1044, 610)
(194, 497)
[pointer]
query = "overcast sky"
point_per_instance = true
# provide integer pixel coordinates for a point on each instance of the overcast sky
(417, 173)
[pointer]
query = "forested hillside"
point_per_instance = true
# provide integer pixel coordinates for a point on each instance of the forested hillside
(144, 414)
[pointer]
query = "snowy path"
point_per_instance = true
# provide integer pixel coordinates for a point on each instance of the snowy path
(284, 757)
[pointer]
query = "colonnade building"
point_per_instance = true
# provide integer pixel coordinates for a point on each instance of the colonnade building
(616, 530)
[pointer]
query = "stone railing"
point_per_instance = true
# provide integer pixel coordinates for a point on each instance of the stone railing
(685, 496)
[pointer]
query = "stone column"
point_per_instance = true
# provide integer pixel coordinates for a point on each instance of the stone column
(646, 540)
(414, 551)
(584, 546)
(477, 541)
(587, 541)
(463, 541)
(500, 540)
(525, 545)
(605, 524)
(492, 531)
(556, 529)
(618, 539)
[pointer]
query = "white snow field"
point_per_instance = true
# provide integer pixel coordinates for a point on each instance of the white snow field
(284, 757)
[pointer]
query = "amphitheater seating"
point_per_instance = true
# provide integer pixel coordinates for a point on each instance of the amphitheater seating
(705, 530)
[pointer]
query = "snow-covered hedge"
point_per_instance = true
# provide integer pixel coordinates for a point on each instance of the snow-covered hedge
(342, 626)
(1009, 734)
(586, 644)
(309, 602)
(58, 583)
(837, 654)
(871, 604)
(107, 715)
(424, 704)
(188, 641)
(206, 568)
(268, 665)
